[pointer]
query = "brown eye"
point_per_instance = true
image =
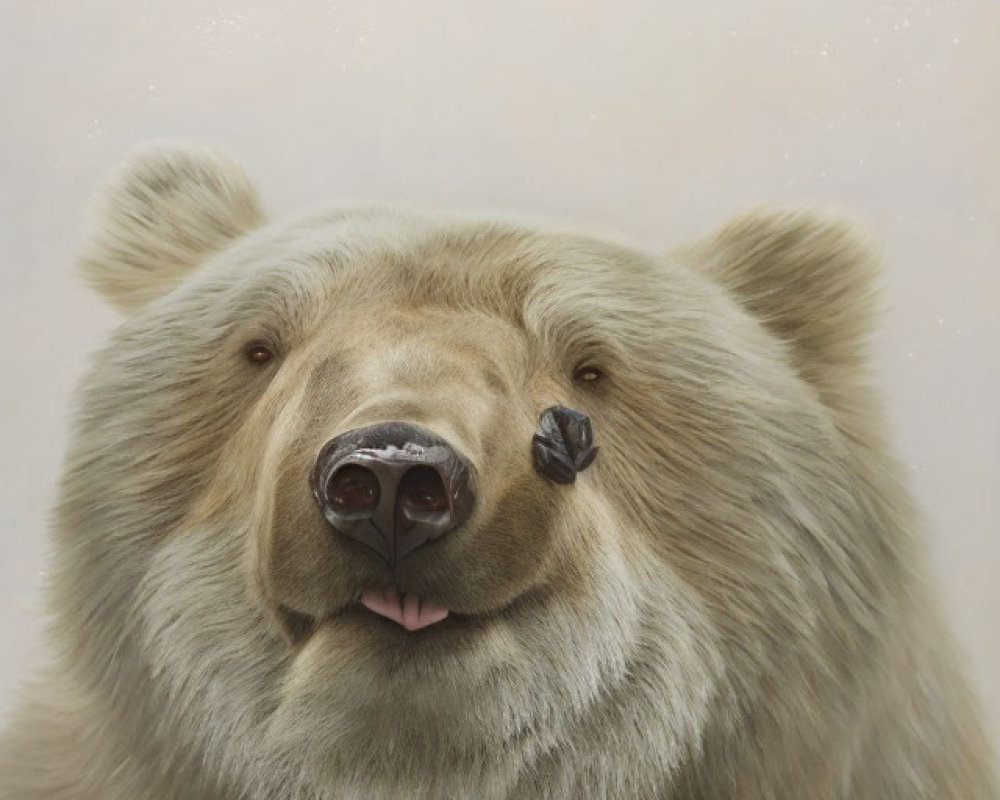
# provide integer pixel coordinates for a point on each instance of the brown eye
(587, 374)
(259, 353)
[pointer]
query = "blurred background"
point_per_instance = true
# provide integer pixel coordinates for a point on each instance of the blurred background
(648, 121)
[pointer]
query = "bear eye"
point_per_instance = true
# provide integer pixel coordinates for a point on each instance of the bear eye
(259, 353)
(587, 374)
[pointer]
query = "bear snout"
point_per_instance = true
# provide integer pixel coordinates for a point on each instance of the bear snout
(394, 487)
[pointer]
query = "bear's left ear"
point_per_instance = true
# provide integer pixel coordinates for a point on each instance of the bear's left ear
(810, 279)
(161, 213)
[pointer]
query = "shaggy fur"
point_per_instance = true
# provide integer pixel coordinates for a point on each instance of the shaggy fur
(730, 603)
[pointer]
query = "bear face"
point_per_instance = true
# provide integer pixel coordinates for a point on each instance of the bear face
(238, 584)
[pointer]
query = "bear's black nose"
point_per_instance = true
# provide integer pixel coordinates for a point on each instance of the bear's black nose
(563, 444)
(393, 487)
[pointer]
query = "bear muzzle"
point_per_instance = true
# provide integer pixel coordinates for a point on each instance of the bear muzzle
(396, 487)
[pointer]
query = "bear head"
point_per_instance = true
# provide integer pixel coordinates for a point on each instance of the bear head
(422, 502)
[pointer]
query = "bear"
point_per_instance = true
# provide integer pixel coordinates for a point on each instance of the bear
(368, 503)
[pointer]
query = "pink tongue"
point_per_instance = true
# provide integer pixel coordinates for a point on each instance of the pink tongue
(409, 611)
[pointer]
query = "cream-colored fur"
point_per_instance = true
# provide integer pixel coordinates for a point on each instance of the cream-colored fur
(730, 603)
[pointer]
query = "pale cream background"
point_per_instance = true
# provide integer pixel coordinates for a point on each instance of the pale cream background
(650, 120)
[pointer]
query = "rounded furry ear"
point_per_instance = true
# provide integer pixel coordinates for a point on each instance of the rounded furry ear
(812, 280)
(809, 277)
(160, 214)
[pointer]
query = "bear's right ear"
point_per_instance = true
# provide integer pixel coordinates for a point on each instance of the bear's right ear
(160, 214)
(812, 281)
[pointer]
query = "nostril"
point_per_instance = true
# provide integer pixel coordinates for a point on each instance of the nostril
(422, 495)
(353, 489)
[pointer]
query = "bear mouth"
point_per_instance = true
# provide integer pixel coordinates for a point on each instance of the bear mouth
(408, 610)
